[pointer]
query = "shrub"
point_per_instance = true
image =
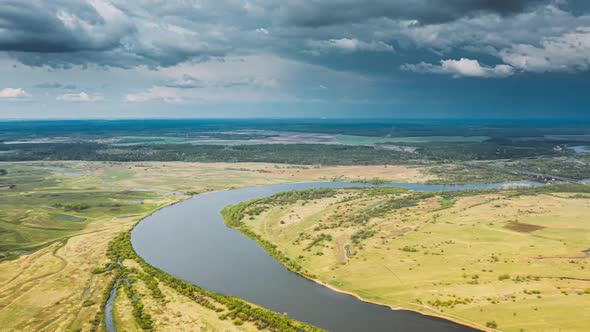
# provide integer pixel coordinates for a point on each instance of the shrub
(409, 249)
(88, 303)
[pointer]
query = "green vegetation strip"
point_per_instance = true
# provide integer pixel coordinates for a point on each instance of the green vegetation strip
(234, 214)
(238, 310)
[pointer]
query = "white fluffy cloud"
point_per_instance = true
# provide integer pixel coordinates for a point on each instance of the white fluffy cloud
(546, 39)
(79, 97)
(569, 52)
(13, 93)
(461, 68)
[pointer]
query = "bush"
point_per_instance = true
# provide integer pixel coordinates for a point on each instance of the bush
(88, 303)
(72, 206)
(492, 324)
(408, 249)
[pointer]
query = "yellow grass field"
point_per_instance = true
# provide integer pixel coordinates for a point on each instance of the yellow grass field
(49, 284)
(495, 261)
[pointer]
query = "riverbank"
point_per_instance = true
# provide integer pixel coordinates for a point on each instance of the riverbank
(195, 255)
(396, 265)
(233, 216)
(456, 320)
(240, 312)
(57, 218)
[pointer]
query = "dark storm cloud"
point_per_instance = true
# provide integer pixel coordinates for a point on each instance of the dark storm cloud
(319, 13)
(578, 7)
(66, 33)
(60, 26)
(159, 33)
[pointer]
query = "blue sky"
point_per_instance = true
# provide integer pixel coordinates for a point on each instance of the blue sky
(314, 58)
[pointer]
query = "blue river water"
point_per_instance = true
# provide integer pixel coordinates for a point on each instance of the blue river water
(190, 241)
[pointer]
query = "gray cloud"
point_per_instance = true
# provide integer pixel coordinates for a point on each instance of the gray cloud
(569, 52)
(61, 26)
(319, 13)
(55, 85)
(186, 82)
(159, 33)
(65, 33)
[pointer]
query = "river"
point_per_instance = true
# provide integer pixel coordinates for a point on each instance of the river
(190, 241)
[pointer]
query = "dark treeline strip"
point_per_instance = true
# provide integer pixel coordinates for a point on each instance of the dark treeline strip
(229, 307)
(290, 197)
(309, 154)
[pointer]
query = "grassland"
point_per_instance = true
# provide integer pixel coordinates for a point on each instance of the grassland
(56, 222)
(50, 204)
(512, 261)
(57, 219)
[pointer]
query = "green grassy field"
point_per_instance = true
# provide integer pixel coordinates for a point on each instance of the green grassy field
(58, 218)
(514, 261)
(51, 204)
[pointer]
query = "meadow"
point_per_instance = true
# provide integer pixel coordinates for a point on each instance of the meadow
(497, 260)
(58, 219)
(513, 260)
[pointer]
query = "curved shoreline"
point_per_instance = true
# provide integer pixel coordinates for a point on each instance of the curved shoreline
(184, 251)
(456, 320)
(109, 305)
(358, 297)
(317, 281)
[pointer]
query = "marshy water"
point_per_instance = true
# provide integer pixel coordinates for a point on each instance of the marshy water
(109, 318)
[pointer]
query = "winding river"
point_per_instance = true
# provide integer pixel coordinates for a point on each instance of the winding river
(190, 241)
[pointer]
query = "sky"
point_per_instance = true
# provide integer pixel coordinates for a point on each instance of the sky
(294, 58)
